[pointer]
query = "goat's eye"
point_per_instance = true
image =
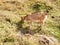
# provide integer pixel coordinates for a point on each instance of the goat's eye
(53, 17)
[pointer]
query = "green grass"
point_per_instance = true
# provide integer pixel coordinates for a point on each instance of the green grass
(11, 31)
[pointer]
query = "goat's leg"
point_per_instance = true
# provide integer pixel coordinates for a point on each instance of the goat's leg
(32, 23)
(41, 26)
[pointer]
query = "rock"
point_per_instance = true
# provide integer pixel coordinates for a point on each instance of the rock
(46, 40)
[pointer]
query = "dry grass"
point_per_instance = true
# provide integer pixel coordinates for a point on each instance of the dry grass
(13, 33)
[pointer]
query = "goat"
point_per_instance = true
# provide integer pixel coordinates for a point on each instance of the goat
(39, 16)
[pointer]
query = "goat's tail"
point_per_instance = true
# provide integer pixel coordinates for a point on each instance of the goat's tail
(22, 19)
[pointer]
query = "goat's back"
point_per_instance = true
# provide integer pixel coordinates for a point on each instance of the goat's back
(35, 16)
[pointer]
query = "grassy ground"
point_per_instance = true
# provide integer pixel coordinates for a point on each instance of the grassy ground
(11, 32)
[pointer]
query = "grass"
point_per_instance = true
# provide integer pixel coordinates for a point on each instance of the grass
(11, 30)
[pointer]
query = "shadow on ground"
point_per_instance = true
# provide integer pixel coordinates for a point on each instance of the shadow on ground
(27, 29)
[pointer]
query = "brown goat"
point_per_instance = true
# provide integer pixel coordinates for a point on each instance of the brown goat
(36, 16)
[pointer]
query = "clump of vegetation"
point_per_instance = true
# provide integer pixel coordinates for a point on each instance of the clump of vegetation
(42, 6)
